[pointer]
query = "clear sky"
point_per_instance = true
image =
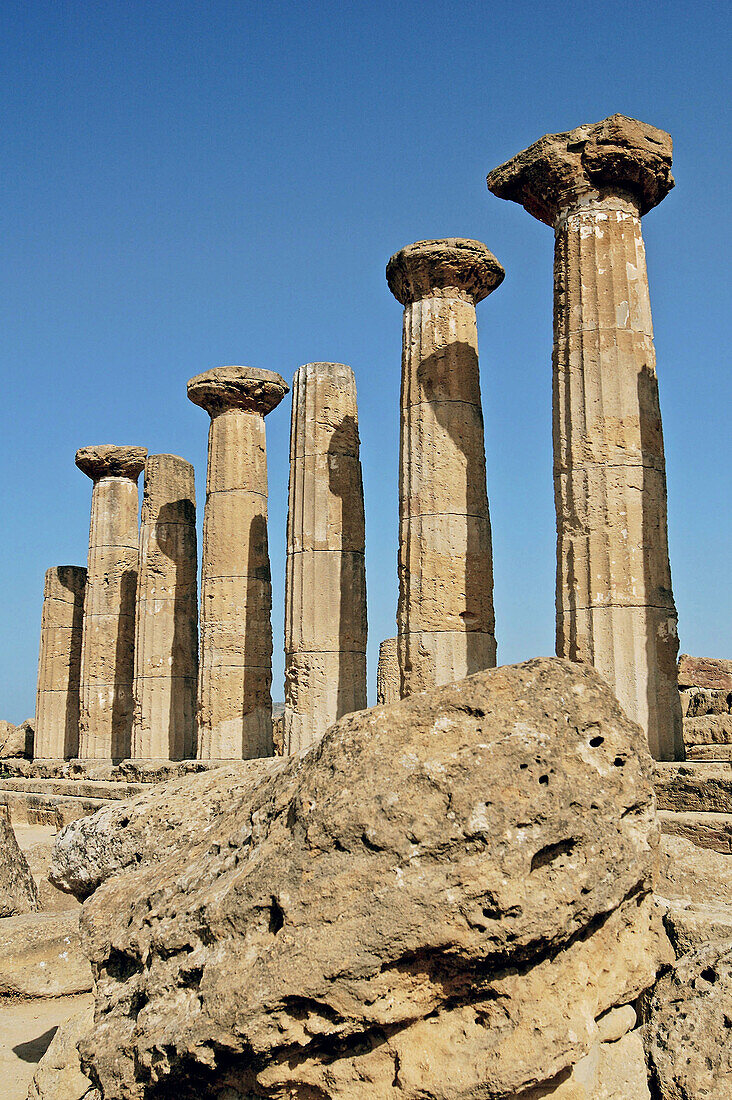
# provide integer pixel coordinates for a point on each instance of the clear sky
(191, 184)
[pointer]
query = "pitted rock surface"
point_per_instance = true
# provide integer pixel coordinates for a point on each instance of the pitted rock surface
(440, 897)
(619, 153)
(688, 1033)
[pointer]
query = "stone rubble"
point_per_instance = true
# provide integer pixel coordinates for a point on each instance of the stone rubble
(18, 893)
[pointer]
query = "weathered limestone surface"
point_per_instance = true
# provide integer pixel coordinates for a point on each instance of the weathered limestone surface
(165, 819)
(41, 956)
(108, 635)
(59, 664)
(59, 1075)
(445, 618)
(615, 606)
(18, 893)
(325, 589)
(16, 741)
(694, 888)
(235, 670)
(388, 683)
(713, 673)
(688, 1037)
(443, 898)
(166, 628)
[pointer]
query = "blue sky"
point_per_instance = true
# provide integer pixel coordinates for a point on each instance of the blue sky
(187, 185)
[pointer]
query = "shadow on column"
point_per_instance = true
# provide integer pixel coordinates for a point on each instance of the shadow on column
(661, 658)
(175, 527)
(344, 483)
(124, 668)
(257, 654)
(440, 377)
(73, 687)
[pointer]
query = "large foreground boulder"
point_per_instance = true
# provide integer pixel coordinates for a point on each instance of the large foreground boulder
(688, 1033)
(439, 900)
(18, 893)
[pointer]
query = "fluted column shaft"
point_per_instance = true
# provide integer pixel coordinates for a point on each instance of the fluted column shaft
(235, 672)
(388, 688)
(166, 632)
(445, 618)
(615, 606)
(325, 589)
(59, 664)
(107, 659)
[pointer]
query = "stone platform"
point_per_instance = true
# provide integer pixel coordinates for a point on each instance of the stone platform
(695, 802)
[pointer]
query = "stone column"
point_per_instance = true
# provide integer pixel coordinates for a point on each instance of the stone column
(445, 620)
(166, 628)
(235, 672)
(59, 664)
(388, 684)
(108, 639)
(325, 590)
(615, 606)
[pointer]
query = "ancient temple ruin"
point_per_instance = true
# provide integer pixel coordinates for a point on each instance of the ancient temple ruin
(120, 674)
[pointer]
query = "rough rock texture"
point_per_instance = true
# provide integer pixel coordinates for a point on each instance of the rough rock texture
(108, 634)
(440, 897)
(166, 616)
(388, 684)
(59, 1075)
(621, 151)
(41, 955)
(705, 672)
(59, 663)
(688, 1033)
(325, 585)
(445, 617)
(235, 670)
(613, 1070)
(694, 887)
(18, 892)
(615, 605)
(151, 827)
(16, 741)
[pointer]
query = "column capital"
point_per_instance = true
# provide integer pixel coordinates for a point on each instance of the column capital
(246, 388)
(448, 268)
(618, 154)
(108, 460)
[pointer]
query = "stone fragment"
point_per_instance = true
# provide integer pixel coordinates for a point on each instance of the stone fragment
(714, 673)
(694, 888)
(59, 664)
(149, 828)
(438, 900)
(325, 588)
(18, 893)
(611, 1071)
(688, 1029)
(108, 634)
(388, 685)
(445, 618)
(166, 624)
(41, 956)
(59, 1075)
(235, 670)
(615, 605)
(16, 741)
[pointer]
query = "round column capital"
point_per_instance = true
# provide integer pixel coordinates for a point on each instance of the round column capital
(452, 266)
(246, 388)
(618, 155)
(109, 460)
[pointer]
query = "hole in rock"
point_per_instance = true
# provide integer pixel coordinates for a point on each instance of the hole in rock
(709, 974)
(551, 852)
(544, 780)
(276, 917)
(596, 741)
(619, 761)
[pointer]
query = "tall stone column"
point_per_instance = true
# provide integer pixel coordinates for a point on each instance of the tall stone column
(615, 606)
(388, 683)
(445, 620)
(59, 664)
(108, 639)
(235, 671)
(166, 628)
(325, 590)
